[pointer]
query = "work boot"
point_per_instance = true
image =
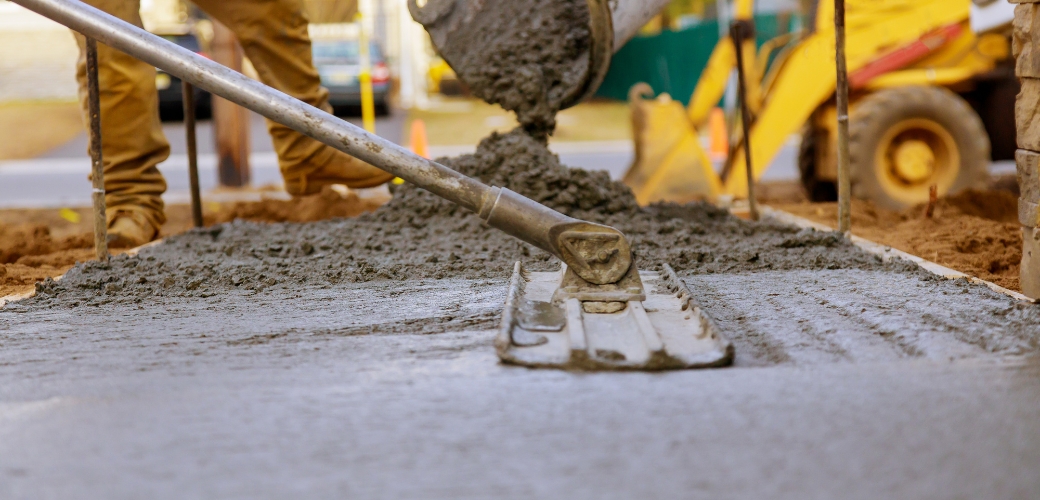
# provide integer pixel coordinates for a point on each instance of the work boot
(130, 229)
(340, 169)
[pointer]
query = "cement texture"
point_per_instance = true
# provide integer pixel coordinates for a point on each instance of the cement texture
(391, 389)
(354, 358)
(525, 56)
(418, 235)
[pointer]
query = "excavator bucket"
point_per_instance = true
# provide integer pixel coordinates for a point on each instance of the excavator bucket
(670, 164)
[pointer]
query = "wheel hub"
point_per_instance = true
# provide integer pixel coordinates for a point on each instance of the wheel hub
(914, 161)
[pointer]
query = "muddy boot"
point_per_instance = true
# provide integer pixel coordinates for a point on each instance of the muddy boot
(340, 169)
(129, 230)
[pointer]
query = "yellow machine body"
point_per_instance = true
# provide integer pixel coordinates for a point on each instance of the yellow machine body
(671, 164)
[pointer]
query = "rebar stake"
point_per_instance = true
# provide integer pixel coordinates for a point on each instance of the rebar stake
(842, 93)
(193, 160)
(740, 31)
(97, 170)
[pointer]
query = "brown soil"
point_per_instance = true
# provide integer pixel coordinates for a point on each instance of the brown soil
(36, 244)
(327, 205)
(975, 232)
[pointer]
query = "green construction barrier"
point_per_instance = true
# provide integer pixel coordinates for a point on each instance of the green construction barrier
(672, 61)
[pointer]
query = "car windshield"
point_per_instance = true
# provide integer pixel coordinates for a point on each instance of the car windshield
(343, 51)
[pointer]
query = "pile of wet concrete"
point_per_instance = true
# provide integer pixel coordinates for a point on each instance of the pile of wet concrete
(765, 281)
(417, 235)
(781, 293)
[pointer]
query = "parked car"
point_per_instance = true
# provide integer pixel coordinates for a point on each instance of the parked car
(338, 63)
(171, 97)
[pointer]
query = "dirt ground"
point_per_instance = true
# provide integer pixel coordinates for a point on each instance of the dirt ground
(975, 232)
(36, 244)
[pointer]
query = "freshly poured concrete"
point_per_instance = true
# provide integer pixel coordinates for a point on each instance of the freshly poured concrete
(353, 359)
(392, 389)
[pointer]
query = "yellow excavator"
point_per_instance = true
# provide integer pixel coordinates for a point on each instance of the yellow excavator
(930, 100)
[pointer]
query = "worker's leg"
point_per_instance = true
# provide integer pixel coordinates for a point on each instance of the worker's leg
(131, 134)
(274, 36)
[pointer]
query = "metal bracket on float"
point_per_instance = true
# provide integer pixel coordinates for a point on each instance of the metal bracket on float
(544, 327)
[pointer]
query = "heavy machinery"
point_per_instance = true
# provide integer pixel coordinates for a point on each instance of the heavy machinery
(930, 100)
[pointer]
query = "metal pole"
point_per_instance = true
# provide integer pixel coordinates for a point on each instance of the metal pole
(739, 33)
(97, 169)
(844, 173)
(193, 159)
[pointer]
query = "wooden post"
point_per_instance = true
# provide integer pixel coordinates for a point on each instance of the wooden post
(842, 92)
(230, 121)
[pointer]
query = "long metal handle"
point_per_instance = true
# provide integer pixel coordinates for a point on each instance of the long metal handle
(549, 230)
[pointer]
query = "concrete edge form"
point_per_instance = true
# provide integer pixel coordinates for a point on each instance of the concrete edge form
(886, 252)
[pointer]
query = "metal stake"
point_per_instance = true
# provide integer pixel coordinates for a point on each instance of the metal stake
(193, 161)
(844, 167)
(97, 170)
(738, 34)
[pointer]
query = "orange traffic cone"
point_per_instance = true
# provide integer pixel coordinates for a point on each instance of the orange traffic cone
(419, 143)
(719, 137)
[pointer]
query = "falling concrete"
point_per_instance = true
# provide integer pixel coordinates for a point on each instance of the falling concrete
(528, 57)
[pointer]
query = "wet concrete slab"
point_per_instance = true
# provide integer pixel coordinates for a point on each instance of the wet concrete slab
(392, 390)
(862, 315)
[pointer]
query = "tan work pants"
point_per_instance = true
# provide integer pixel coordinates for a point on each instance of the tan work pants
(273, 34)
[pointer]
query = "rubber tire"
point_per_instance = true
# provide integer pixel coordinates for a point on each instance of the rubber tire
(881, 110)
(816, 190)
